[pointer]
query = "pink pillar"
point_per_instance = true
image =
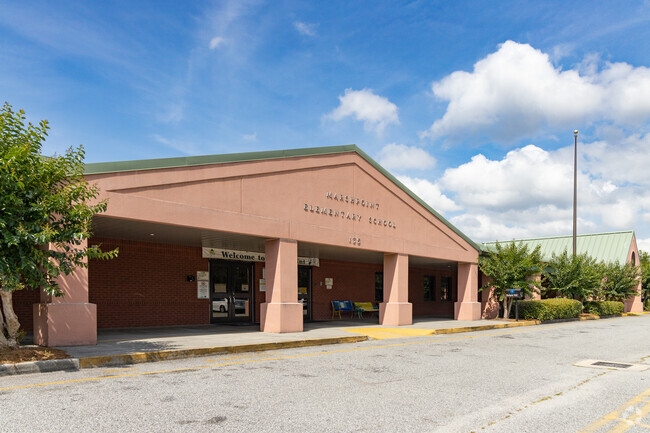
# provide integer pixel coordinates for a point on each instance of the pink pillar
(396, 309)
(67, 320)
(467, 307)
(281, 312)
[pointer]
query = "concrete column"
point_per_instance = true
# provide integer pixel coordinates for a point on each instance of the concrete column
(633, 304)
(396, 310)
(281, 312)
(467, 307)
(68, 320)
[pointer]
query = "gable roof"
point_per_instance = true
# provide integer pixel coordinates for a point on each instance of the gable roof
(190, 161)
(608, 247)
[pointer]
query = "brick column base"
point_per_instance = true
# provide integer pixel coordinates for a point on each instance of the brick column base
(396, 313)
(65, 324)
(287, 317)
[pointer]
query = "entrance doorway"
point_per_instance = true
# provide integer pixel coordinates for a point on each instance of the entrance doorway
(304, 291)
(231, 291)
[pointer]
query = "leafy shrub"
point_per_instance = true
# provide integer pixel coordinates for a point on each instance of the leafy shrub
(603, 308)
(646, 306)
(620, 281)
(573, 276)
(550, 309)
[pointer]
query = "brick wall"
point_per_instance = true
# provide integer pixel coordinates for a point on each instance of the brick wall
(23, 306)
(146, 285)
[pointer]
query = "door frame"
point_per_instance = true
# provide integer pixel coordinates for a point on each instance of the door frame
(309, 296)
(231, 293)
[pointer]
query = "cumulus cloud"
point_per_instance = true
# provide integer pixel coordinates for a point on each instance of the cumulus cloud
(517, 92)
(216, 42)
(305, 28)
(400, 158)
(529, 192)
(375, 111)
(430, 193)
(250, 137)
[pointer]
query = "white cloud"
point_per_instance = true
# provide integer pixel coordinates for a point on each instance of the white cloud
(216, 42)
(517, 92)
(186, 148)
(305, 28)
(400, 157)
(250, 137)
(375, 111)
(430, 193)
(529, 192)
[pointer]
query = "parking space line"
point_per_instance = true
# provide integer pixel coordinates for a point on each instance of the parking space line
(275, 358)
(624, 417)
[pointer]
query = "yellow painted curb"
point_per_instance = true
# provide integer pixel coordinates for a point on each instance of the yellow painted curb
(164, 355)
(385, 333)
(487, 327)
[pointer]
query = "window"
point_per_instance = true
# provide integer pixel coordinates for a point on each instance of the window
(445, 288)
(379, 287)
(429, 288)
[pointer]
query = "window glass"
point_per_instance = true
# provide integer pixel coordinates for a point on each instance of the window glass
(429, 288)
(445, 289)
(379, 287)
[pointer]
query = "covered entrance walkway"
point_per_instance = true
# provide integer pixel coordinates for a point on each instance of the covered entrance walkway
(219, 239)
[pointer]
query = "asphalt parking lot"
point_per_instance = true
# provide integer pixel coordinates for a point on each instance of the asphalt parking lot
(510, 380)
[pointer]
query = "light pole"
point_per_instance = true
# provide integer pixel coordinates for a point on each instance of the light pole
(575, 188)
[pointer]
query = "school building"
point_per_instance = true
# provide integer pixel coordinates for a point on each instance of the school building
(265, 237)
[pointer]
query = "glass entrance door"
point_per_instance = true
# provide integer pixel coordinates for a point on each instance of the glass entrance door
(304, 290)
(231, 288)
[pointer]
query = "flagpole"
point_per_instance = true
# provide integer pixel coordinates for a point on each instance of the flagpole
(575, 189)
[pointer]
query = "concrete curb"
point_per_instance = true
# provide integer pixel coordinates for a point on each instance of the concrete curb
(486, 327)
(165, 355)
(39, 366)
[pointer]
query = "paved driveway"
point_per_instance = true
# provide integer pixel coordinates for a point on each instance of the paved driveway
(511, 380)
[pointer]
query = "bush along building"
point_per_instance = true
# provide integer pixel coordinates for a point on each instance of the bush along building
(604, 249)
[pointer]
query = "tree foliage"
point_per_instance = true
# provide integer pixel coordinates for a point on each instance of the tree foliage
(620, 281)
(576, 277)
(511, 266)
(46, 207)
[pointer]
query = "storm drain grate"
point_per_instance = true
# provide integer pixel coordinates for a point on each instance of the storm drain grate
(595, 363)
(611, 364)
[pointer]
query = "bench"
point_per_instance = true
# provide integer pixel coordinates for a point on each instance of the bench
(342, 306)
(365, 307)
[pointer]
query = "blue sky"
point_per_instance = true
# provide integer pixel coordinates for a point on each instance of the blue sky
(471, 104)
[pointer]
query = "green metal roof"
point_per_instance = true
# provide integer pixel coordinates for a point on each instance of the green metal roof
(607, 247)
(190, 161)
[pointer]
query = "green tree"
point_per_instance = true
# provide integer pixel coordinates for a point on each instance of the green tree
(511, 266)
(46, 207)
(620, 281)
(576, 277)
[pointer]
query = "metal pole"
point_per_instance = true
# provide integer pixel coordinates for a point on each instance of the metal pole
(516, 310)
(575, 189)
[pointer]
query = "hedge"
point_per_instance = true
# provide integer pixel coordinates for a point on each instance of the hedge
(549, 309)
(603, 308)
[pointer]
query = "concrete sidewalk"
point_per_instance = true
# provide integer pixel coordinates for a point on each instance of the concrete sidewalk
(128, 346)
